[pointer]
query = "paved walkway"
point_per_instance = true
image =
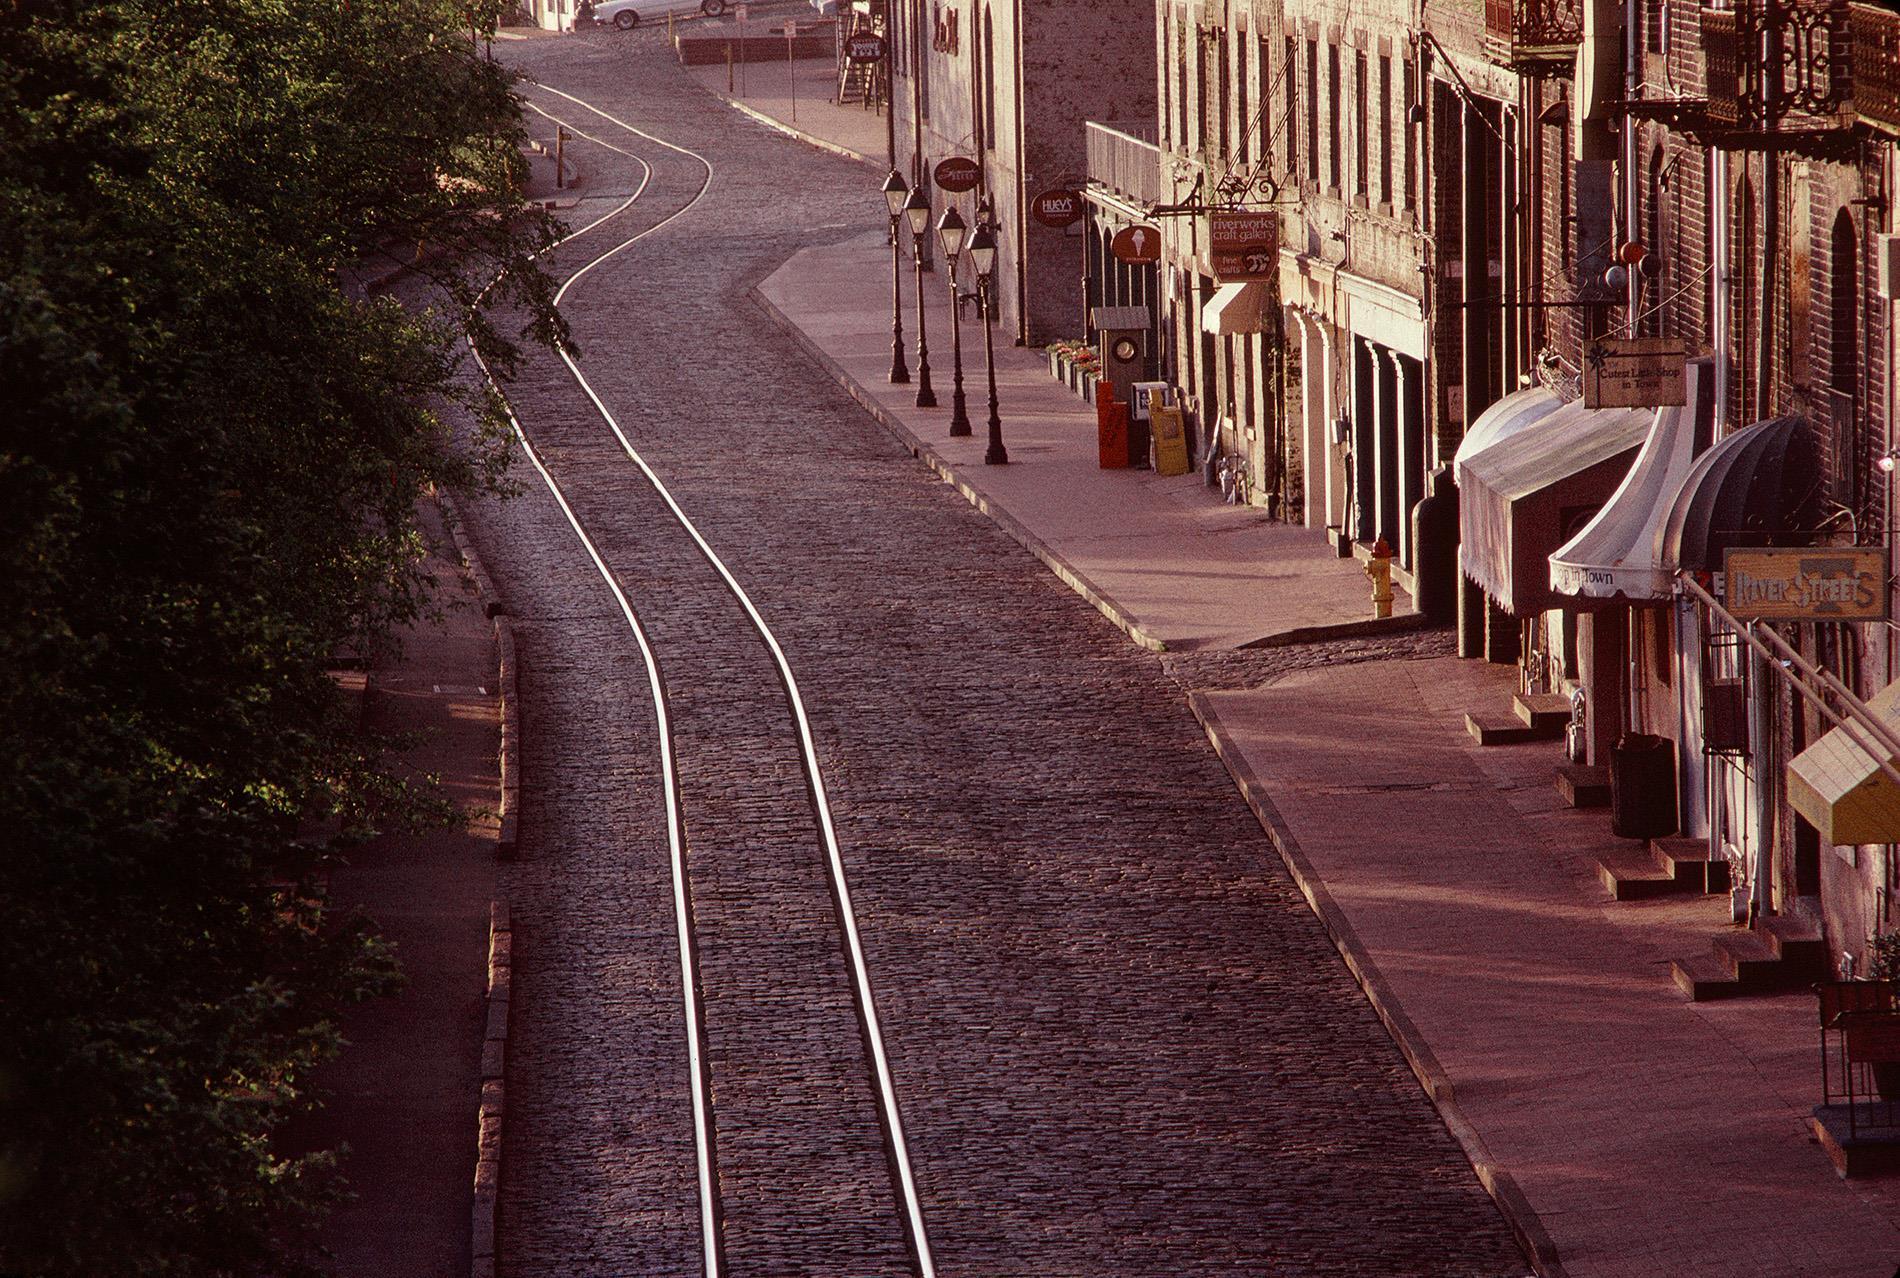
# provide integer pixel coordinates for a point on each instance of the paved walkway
(1625, 1132)
(405, 1090)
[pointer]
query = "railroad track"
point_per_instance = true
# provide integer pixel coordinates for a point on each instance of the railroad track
(802, 1163)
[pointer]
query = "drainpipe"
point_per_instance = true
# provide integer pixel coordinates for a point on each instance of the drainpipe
(1022, 175)
(1720, 300)
(1631, 79)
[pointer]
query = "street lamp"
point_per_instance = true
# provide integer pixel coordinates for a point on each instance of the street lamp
(917, 209)
(950, 232)
(983, 258)
(895, 190)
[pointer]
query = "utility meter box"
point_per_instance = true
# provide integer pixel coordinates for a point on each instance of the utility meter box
(1123, 337)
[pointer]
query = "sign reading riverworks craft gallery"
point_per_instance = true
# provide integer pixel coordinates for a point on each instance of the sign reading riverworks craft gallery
(1243, 247)
(1807, 583)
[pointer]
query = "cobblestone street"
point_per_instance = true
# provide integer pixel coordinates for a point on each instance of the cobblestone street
(1122, 1043)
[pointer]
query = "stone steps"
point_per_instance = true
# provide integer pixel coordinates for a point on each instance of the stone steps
(1662, 867)
(1583, 786)
(1778, 954)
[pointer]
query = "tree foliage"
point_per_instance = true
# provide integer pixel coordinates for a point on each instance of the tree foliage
(210, 453)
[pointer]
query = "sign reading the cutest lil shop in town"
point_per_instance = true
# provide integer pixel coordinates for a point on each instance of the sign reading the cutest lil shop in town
(1634, 372)
(1807, 583)
(1243, 246)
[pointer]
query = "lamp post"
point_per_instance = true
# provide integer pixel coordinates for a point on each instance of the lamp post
(917, 210)
(950, 232)
(983, 258)
(895, 189)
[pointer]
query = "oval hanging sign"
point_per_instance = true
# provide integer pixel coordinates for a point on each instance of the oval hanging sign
(865, 48)
(1057, 208)
(958, 174)
(1136, 245)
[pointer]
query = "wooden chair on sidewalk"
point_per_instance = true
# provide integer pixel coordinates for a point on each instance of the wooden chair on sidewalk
(1837, 999)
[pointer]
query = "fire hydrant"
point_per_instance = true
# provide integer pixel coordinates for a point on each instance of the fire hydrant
(1379, 568)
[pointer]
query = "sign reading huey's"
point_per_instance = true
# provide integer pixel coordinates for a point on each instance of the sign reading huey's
(1807, 583)
(1243, 246)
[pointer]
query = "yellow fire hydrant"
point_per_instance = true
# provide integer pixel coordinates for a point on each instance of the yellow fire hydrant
(1379, 568)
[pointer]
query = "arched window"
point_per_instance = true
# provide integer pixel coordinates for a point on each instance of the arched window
(1844, 309)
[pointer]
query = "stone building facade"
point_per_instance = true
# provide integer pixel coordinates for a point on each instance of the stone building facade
(1009, 83)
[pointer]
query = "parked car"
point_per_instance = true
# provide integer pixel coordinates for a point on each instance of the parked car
(628, 14)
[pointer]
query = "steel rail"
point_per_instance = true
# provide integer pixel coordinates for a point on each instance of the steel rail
(691, 991)
(867, 1002)
(865, 997)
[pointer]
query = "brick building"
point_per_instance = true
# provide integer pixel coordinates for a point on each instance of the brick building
(1010, 85)
(1719, 179)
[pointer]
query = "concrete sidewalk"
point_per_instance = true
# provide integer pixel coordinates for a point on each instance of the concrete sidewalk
(1624, 1132)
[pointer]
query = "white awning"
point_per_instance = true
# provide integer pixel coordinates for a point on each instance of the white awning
(1529, 493)
(1235, 309)
(1503, 419)
(1618, 555)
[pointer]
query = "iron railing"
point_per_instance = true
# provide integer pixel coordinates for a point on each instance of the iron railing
(1525, 34)
(1876, 45)
(1777, 66)
(1126, 160)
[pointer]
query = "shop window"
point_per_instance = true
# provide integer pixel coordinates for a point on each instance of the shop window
(1334, 170)
(1291, 92)
(1406, 161)
(1312, 111)
(1360, 116)
(1385, 130)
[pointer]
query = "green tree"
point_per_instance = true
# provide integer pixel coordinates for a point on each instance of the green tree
(210, 455)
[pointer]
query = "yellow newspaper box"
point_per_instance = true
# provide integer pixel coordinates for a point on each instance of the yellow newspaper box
(1170, 436)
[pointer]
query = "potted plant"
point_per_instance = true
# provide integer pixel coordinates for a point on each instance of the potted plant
(1883, 964)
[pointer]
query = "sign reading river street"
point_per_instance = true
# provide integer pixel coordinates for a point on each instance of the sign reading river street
(1806, 583)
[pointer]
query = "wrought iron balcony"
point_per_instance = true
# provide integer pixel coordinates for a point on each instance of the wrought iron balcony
(1777, 71)
(1531, 34)
(1876, 36)
(1125, 161)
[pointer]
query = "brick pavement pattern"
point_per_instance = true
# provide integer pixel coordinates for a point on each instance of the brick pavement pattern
(1122, 1042)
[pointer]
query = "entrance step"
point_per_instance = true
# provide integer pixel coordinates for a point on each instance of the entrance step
(1777, 954)
(1583, 786)
(1690, 863)
(1634, 875)
(1704, 978)
(1498, 729)
(1545, 711)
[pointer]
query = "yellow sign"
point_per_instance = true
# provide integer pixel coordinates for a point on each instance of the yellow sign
(1170, 435)
(1634, 372)
(1807, 583)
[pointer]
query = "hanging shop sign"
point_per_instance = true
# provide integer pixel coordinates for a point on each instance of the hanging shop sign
(1243, 247)
(1057, 208)
(958, 174)
(868, 47)
(1634, 372)
(1136, 245)
(1807, 583)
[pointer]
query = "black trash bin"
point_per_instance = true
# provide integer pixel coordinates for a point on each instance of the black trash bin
(1642, 787)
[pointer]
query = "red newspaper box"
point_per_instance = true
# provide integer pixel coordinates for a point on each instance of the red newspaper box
(1111, 428)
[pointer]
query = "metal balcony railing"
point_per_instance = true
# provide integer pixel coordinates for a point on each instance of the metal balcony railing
(1774, 67)
(1526, 34)
(1876, 46)
(1124, 159)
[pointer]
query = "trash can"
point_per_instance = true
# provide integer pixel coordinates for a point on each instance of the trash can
(1642, 787)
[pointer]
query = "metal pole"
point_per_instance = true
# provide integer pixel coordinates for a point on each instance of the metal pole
(996, 454)
(926, 397)
(959, 412)
(900, 375)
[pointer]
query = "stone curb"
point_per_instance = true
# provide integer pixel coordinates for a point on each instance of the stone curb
(1519, 1215)
(483, 1215)
(1367, 628)
(508, 680)
(809, 139)
(1069, 575)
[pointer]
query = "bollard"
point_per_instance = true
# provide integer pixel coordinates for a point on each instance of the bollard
(1379, 569)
